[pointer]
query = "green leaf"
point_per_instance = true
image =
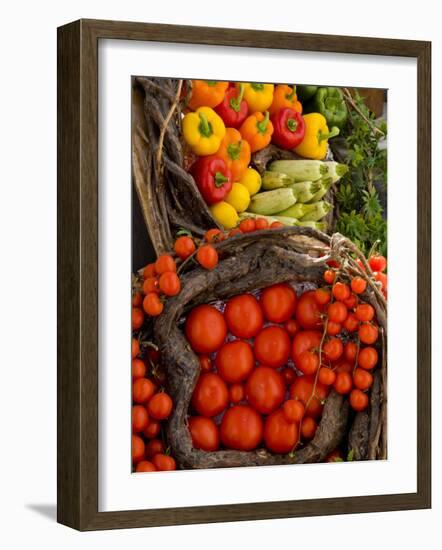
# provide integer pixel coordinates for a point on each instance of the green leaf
(350, 455)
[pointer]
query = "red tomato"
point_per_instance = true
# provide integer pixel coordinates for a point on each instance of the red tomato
(351, 302)
(204, 432)
(289, 375)
(265, 389)
(322, 296)
(329, 276)
(244, 316)
(335, 456)
(278, 302)
(308, 427)
(241, 428)
(149, 271)
(276, 225)
(137, 299)
(152, 304)
(293, 410)
(207, 256)
(248, 225)
(164, 263)
(205, 329)
(205, 363)
(261, 223)
(308, 311)
(138, 449)
(307, 362)
(368, 358)
(160, 406)
(137, 318)
(272, 346)
(302, 389)
(214, 236)
(211, 395)
(333, 328)
(235, 361)
(236, 393)
(135, 347)
(164, 463)
(280, 435)
(381, 278)
(145, 466)
(291, 326)
(151, 285)
(333, 349)
(377, 262)
(362, 379)
(170, 283)
(358, 400)
(343, 382)
(140, 418)
(337, 312)
(154, 447)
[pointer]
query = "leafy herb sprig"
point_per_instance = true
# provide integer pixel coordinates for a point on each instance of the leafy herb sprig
(360, 206)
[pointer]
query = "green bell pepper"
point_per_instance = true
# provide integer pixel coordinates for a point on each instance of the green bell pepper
(305, 92)
(330, 103)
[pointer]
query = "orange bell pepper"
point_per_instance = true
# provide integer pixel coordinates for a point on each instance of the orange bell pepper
(257, 129)
(284, 97)
(207, 93)
(235, 151)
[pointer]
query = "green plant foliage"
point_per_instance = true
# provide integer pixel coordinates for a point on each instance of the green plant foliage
(360, 209)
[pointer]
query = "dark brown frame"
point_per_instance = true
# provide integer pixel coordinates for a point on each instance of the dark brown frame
(77, 460)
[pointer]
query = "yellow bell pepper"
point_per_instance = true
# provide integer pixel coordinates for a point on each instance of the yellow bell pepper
(251, 180)
(258, 96)
(203, 131)
(238, 197)
(317, 134)
(225, 214)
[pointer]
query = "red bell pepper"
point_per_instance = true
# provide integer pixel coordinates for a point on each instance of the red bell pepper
(233, 108)
(289, 128)
(212, 177)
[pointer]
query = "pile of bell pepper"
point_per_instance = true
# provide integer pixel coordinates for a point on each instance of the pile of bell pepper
(224, 123)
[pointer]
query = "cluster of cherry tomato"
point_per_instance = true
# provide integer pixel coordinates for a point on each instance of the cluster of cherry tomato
(150, 406)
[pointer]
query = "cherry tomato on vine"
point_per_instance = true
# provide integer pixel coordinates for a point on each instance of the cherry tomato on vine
(211, 395)
(184, 247)
(383, 279)
(272, 346)
(244, 316)
(329, 276)
(358, 285)
(322, 296)
(152, 304)
(207, 256)
(351, 323)
(205, 363)
(368, 333)
(351, 302)
(364, 312)
(149, 271)
(350, 351)
(280, 435)
(235, 361)
(164, 263)
(333, 349)
(205, 329)
(308, 427)
(137, 299)
(163, 462)
(289, 375)
(368, 358)
(241, 428)
(135, 348)
(137, 318)
(333, 328)
(145, 466)
(278, 302)
(358, 400)
(293, 410)
(160, 406)
(138, 368)
(214, 236)
(248, 225)
(326, 376)
(261, 223)
(302, 389)
(154, 447)
(377, 262)
(291, 326)
(265, 389)
(337, 312)
(140, 418)
(362, 379)
(152, 429)
(204, 433)
(307, 362)
(137, 449)
(170, 283)
(151, 285)
(142, 390)
(236, 393)
(341, 291)
(276, 225)
(343, 382)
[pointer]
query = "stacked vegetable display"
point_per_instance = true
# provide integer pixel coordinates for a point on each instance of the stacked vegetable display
(228, 123)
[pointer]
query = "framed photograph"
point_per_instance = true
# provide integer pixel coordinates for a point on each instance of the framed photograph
(244, 241)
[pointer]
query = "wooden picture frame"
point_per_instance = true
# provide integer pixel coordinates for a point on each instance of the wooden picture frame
(77, 461)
